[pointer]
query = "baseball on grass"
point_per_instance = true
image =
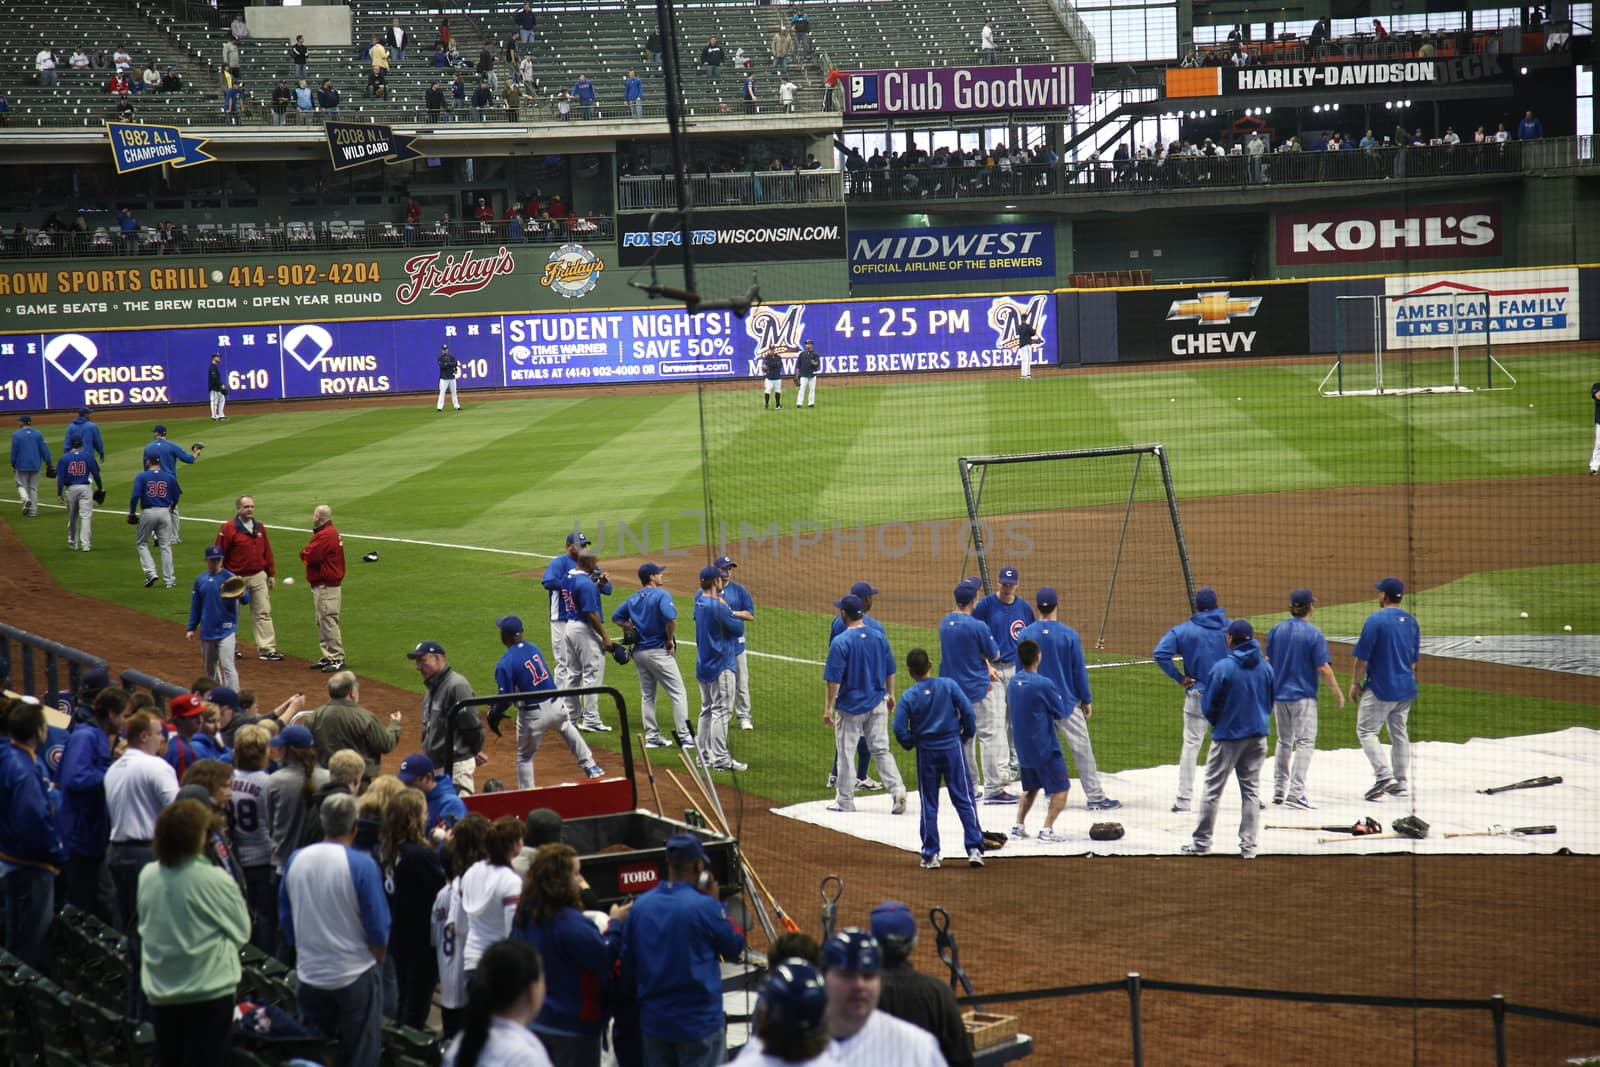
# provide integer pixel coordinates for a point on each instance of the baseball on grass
(1567, 628)
(1524, 615)
(1479, 639)
(288, 581)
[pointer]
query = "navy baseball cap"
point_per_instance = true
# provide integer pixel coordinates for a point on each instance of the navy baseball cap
(1241, 630)
(1205, 599)
(1301, 598)
(1045, 599)
(84, 412)
(1391, 587)
(686, 846)
(650, 570)
(1009, 576)
(710, 574)
(864, 589)
(224, 696)
(94, 678)
(726, 563)
(414, 768)
(576, 538)
(425, 648)
(510, 624)
(851, 605)
(24, 419)
(793, 998)
(75, 441)
(852, 949)
(161, 428)
(966, 593)
(292, 737)
(892, 921)
(213, 552)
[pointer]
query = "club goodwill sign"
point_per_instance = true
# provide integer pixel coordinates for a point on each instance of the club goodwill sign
(956, 90)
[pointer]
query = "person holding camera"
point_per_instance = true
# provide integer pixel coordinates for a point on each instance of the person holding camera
(522, 669)
(649, 621)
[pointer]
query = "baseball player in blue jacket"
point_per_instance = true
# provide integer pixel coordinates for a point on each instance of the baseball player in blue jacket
(84, 429)
(1238, 705)
(1005, 614)
(29, 456)
(651, 615)
(155, 496)
(1198, 643)
(934, 717)
(1061, 660)
(1299, 655)
(743, 606)
(554, 581)
(1385, 683)
(169, 456)
(967, 655)
(214, 618)
(716, 634)
(859, 673)
(30, 844)
(522, 670)
(77, 480)
(587, 642)
(866, 591)
(1037, 707)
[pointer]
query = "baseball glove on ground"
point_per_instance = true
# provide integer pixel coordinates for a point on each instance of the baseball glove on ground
(233, 587)
(1411, 826)
(1106, 831)
(1369, 825)
(99, 496)
(133, 519)
(371, 557)
(993, 841)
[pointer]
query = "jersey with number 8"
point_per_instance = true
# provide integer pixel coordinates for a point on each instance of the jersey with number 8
(247, 811)
(449, 922)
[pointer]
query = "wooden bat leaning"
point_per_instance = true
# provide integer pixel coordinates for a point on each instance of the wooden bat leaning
(1526, 783)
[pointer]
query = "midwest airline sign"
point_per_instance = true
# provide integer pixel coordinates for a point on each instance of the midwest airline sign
(1383, 234)
(956, 90)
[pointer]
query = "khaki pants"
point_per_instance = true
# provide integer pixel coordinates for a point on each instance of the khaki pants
(261, 612)
(327, 599)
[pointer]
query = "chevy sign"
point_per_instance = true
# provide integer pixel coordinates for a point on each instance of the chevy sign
(967, 90)
(953, 253)
(1380, 234)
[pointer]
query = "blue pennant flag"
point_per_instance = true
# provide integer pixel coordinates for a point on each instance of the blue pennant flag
(137, 145)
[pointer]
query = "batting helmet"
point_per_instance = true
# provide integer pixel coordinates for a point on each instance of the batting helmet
(852, 949)
(793, 996)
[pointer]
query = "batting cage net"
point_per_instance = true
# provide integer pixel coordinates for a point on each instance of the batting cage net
(1417, 342)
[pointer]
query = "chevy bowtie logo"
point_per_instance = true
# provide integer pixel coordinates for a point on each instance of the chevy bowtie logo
(1214, 309)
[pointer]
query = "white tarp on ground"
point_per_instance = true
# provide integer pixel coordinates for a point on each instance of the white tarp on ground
(1571, 653)
(1445, 780)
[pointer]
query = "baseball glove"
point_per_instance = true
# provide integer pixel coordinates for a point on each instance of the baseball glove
(233, 587)
(1411, 826)
(133, 519)
(1369, 825)
(370, 557)
(619, 652)
(49, 470)
(198, 447)
(993, 841)
(99, 496)
(1106, 831)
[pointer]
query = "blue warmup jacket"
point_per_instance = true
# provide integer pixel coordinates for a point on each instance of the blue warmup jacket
(77, 467)
(1238, 701)
(717, 634)
(1296, 649)
(169, 454)
(671, 942)
(650, 609)
(445, 808)
(1060, 658)
(577, 963)
(1199, 642)
(210, 613)
(1390, 644)
(88, 433)
(29, 836)
(861, 663)
(1036, 705)
(965, 647)
(934, 714)
(85, 819)
(28, 450)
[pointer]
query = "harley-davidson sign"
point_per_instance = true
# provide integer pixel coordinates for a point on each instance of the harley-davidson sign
(1386, 234)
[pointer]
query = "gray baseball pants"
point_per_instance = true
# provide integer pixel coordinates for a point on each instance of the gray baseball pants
(848, 730)
(1194, 735)
(658, 673)
(1233, 758)
(1074, 730)
(80, 515)
(1372, 716)
(716, 708)
(532, 723)
(157, 523)
(1297, 742)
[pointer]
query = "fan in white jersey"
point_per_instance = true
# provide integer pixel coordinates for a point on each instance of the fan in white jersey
(464, 848)
(504, 996)
(863, 1035)
(252, 843)
(791, 1018)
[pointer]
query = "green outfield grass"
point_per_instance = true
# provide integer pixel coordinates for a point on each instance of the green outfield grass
(514, 475)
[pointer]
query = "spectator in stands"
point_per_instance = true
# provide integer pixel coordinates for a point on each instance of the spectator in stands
(458, 94)
(210, 782)
(230, 57)
(527, 25)
(482, 211)
(490, 891)
(79, 60)
(712, 56)
(578, 957)
(122, 60)
(652, 47)
(378, 84)
(482, 99)
(237, 29)
(252, 845)
(91, 748)
(444, 37)
(332, 908)
(45, 65)
(171, 80)
(1320, 31)
(30, 844)
(740, 60)
(444, 228)
(499, 1006)
(986, 41)
(282, 97)
(1530, 128)
(434, 102)
(117, 84)
(486, 67)
(192, 922)
(328, 100)
(786, 93)
(445, 808)
(395, 38)
(563, 101)
(513, 97)
(852, 964)
(509, 55)
(299, 55)
(101, 61)
(525, 75)
(304, 100)
(558, 208)
(412, 878)
(441, 58)
(671, 942)
(633, 94)
(514, 231)
(583, 93)
(342, 723)
(748, 94)
(152, 78)
(186, 711)
(919, 999)
(289, 790)
(5, 109)
(345, 768)
(782, 46)
(1378, 32)
(233, 101)
(138, 785)
(800, 22)
(378, 57)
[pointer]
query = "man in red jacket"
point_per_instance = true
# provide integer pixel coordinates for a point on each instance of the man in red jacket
(324, 560)
(247, 553)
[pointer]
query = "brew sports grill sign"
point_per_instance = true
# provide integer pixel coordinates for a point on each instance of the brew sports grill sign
(1384, 234)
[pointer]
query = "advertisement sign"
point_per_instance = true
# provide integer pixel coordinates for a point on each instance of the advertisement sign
(968, 90)
(355, 144)
(1380, 233)
(754, 236)
(1400, 74)
(1515, 307)
(109, 369)
(953, 253)
(1221, 321)
(135, 146)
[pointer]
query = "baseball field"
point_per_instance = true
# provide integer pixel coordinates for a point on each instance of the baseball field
(1479, 501)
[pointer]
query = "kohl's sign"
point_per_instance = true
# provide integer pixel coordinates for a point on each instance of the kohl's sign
(953, 253)
(1383, 234)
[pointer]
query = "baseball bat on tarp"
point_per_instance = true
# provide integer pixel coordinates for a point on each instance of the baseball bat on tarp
(1526, 783)
(1501, 831)
(1359, 828)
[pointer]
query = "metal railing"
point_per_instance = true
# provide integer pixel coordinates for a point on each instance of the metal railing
(752, 189)
(302, 237)
(1082, 39)
(24, 677)
(1134, 176)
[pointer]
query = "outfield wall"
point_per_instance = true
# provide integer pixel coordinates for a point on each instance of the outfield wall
(311, 353)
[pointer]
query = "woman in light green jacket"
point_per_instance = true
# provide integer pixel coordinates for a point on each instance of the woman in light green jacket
(192, 921)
